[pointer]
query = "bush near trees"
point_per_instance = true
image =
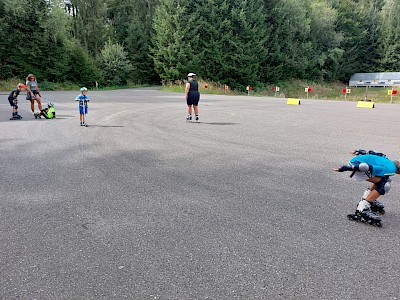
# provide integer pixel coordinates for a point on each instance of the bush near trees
(237, 42)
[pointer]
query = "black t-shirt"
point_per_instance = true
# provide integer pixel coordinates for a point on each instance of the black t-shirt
(194, 86)
(13, 95)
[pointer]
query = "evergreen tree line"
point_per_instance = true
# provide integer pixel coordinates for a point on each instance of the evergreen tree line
(237, 42)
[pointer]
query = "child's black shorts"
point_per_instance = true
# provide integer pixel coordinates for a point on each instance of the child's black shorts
(193, 98)
(13, 103)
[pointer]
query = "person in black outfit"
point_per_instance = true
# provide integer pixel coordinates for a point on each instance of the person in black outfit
(192, 97)
(13, 100)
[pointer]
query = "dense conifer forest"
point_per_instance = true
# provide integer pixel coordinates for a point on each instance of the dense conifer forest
(237, 42)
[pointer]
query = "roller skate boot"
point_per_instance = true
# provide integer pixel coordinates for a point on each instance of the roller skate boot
(189, 118)
(378, 207)
(366, 216)
(197, 119)
(15, 116)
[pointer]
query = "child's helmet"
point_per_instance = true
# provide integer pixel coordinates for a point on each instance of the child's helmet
(191, 75)
(50, 104)
(21, 86)
(83, 89)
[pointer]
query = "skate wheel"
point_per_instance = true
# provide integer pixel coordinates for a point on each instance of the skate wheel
(352, 217)
(379, 224)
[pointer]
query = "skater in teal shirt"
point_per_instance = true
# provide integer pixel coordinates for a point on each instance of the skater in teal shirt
(377, 169)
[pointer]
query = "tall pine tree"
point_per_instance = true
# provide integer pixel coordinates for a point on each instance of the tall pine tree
(169, 47)
(390, 36)
(226, 40)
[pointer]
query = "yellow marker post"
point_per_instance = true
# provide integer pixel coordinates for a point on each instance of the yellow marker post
(293, 101)
(366, 104)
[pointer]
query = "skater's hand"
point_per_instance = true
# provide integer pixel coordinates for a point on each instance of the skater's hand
(343, 169)
(358, 152)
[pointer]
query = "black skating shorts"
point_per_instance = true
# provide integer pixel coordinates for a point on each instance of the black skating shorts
(13, 103)
(29, 96)
(193, 98)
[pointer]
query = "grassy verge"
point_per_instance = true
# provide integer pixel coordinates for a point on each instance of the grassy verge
(7, 86)
(295, 89)
(287, 89)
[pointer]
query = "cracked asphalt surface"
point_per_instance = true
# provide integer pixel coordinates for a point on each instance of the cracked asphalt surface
(142, 205)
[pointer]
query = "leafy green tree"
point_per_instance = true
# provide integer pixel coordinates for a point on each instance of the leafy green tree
(326, 54)
(290, 47)
(350, 25)
(114, 64)
(82, 68)
(90, 23)
(169, 46)
(390, 36)
(369, 46)
(226, 40)
(22, 53)
(138, 52)
(5, 71)
(132, 23)
(55, 39)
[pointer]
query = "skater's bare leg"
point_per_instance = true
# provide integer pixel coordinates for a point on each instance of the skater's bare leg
(189, 109)
(196, 110)
(372, 196)
(32, 106)
(39, 102)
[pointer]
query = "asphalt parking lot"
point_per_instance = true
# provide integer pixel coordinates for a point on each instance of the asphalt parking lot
(243, 205)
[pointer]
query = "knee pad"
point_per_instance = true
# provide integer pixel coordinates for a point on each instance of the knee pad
(363, 167)
(383, 186)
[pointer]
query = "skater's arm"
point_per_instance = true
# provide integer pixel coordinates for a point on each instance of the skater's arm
(363, 152)
(358, 152)
(187, 89)
(362, 167)
(343, 168)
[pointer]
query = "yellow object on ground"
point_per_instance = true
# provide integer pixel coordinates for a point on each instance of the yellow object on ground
(366, 104)
(293, 101)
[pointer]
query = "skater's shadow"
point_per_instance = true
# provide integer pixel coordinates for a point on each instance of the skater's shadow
(107, 126)
(218, 123)
(64, 116)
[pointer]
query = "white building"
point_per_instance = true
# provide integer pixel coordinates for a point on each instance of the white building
(375, 79)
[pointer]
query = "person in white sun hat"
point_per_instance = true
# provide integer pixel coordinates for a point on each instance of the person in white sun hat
(192, 97)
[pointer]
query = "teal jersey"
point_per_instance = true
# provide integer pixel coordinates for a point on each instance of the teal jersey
(381, 166)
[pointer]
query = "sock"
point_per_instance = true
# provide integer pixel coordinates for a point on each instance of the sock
(363, 204)
(366, 193)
